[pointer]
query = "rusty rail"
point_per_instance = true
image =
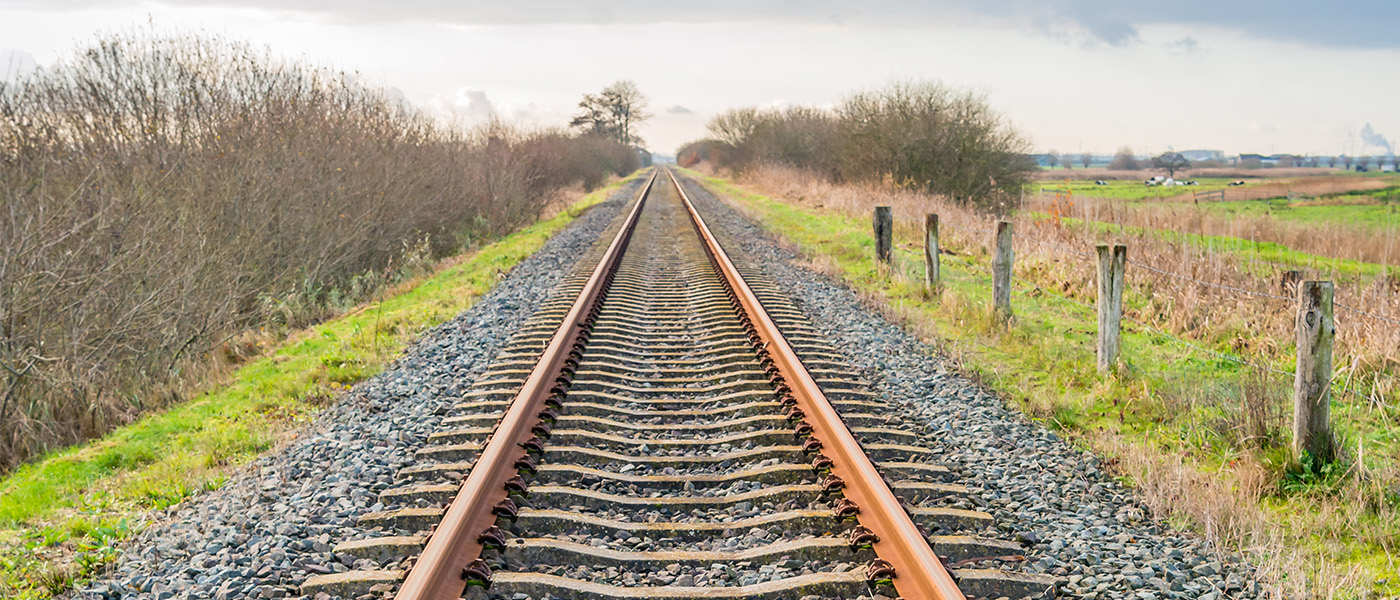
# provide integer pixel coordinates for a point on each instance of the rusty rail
(917, 573)
(452, 555)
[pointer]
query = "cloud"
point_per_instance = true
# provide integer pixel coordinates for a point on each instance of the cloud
(1184, 46)
(1360, 24)
(467, 104)
(1369, 139)
(473, 104)
(679, 110)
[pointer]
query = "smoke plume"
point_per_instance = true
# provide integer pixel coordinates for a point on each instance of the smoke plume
(1369, 137)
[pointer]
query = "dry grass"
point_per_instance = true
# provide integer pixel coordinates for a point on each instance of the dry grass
(1054, 254)
(1325, 239)
(1306, 534)
(164, 194)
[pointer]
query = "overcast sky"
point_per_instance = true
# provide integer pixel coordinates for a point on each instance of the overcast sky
(1073, 75)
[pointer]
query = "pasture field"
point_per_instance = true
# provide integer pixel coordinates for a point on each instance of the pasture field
(1259, 258)
(1197, 423)
(1332, 234)
(1129, 189)
(1379, 211)
(1263, 191)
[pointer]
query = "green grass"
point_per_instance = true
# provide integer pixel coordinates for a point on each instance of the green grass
(1168, 398)
(75, 503)
(1133, 189)
(1381, 215)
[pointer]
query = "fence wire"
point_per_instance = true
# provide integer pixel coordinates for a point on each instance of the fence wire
(1174, 275)
(1345, 391)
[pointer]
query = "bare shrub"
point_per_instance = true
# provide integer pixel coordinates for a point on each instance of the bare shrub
(162, 193)
(923, 136)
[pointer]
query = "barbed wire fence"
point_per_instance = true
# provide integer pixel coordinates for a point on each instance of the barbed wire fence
(1341, 386)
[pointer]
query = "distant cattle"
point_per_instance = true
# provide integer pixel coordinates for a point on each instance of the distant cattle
(1235, 183)
(1100, 182)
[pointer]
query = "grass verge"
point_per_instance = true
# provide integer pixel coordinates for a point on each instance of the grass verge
(63, 516)
(1202, 437)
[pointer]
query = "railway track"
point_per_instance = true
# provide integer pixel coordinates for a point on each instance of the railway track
(668, 425)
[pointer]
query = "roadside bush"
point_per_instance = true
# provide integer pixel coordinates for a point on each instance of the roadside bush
(164, 193)
(923, 136)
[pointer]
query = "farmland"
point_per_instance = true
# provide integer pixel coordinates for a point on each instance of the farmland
(1197, 418)
(410, 302)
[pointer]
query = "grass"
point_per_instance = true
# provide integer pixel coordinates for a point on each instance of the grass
(1200, 434)
(61, 516)
(1125, 189)
(1379, 212)
(1253, 252)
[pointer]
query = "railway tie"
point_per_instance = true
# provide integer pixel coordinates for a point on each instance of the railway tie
(668, 425)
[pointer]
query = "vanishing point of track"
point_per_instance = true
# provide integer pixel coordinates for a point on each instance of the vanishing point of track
(668, 425)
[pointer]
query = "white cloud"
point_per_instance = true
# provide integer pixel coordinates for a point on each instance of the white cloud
(1113, 23)
(1184, 46)
(473, 104)
(1146, 94)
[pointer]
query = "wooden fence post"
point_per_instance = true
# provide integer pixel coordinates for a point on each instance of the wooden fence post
(884, 233)
(1312, 385)
(1001, 273)
(931, 274)
(1112, 264)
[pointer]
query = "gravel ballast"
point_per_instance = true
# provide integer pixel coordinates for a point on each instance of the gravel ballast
(274, 523)
(1078, 523)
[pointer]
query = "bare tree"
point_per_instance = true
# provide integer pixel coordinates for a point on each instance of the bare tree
(1052, 158)
(1332, 161)
(1086, 159)
(614, 113)
(1363, 162)
(921, 135)
(1171, 162)
(1124, 160)
(1346, 162)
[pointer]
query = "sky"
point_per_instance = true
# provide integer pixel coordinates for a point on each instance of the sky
(1072, 75)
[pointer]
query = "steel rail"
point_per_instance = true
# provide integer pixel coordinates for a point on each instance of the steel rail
(440, 571)
(918, 573)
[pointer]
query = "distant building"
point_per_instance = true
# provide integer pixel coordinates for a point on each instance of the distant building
(1269, 160)
(1202, 155)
